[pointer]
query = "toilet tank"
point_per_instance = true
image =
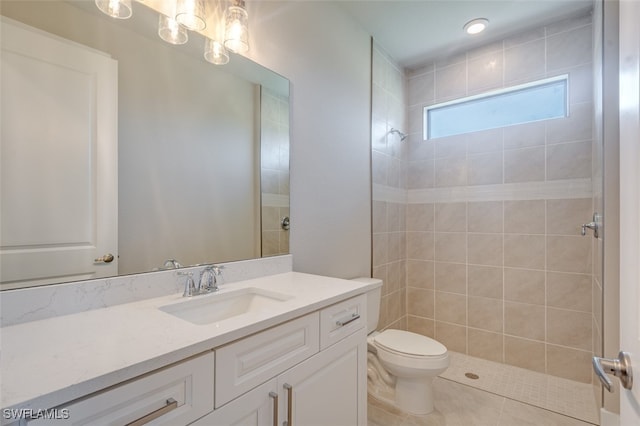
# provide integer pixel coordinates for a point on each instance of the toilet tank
(373, 302)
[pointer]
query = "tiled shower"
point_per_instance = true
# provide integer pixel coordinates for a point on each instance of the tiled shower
(477, 236)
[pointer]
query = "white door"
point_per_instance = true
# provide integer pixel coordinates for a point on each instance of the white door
(630, 203)
(58, 159)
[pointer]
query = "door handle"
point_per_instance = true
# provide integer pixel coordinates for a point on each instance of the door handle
(107, 258)
(594, 226)
(620, 368)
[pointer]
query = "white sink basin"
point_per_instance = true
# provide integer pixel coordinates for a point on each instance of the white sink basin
(217, 307)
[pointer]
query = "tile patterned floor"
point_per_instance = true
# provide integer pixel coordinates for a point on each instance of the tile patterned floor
(502, 396)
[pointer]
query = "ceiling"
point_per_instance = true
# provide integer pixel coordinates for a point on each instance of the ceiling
(414, 32)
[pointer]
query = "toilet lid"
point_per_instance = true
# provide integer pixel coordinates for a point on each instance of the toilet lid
(409, 343)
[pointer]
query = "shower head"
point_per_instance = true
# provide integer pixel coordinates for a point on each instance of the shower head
(402, 135)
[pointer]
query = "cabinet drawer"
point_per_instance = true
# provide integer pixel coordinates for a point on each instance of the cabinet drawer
(176, 395)
(246, 363)
(342, 319)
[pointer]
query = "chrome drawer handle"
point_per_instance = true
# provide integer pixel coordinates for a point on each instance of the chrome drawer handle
(345, 321)
(172, 404)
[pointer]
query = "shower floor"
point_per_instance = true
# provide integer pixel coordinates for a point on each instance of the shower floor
(503, 395)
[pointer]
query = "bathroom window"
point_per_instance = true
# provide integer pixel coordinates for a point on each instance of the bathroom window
(539, 100)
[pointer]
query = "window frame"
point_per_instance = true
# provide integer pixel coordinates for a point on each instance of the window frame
(495, 93)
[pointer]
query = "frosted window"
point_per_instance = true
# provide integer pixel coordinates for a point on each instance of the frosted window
(536, 101)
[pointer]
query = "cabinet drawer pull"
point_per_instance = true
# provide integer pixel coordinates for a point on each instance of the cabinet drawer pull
(289, 389)
(342, 322)
(172, 404)
(274, 396)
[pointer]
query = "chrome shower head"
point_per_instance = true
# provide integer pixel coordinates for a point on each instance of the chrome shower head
(402, 135)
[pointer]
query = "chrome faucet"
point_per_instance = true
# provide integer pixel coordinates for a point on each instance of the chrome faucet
(207, 282)
(189, 285)
(210, 276)
(171, 264)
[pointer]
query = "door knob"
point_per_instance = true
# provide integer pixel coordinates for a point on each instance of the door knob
(620, 367)
(107, 258)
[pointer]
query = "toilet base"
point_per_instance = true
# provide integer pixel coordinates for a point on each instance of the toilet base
(415, 396)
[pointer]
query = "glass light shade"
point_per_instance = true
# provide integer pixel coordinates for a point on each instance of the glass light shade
(170, 31)
(119, 9)
(190, 13)
(215, 52)
(236, 29)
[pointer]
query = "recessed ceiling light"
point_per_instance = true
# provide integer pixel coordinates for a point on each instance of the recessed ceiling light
(476, 26)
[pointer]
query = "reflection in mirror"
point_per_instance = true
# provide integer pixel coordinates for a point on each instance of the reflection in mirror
(117, 143)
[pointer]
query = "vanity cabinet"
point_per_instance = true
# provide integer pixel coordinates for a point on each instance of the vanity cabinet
(327, 387)
(175, 395)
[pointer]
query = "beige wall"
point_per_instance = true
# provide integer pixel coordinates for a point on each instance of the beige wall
(495, 264)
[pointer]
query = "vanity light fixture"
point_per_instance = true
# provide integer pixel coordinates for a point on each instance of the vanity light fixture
(171, 31)
(476, 26)
(119, 9)
(236, 27)
(215, 52)
(190, 13)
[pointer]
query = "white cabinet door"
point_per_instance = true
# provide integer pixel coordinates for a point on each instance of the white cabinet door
(258, 407)
(58, 159)
(325, 389)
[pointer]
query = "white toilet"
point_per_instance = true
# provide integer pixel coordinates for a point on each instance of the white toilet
(403, 360)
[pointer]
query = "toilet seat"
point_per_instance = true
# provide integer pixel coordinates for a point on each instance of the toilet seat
(409, 344)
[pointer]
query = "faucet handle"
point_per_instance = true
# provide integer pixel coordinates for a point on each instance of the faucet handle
(217, 271)
(189, 285)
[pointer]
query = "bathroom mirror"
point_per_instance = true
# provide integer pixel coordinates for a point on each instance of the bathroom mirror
(202, 151)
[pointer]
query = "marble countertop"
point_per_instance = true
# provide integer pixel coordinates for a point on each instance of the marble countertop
(49, 362)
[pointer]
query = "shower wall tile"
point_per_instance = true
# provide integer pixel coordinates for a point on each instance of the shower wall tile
(524, 217)
(424, 326)
(451, 171)
(451, 308)
(524, 353)
(420, 302)
(569, 291)
(485, 217)
(525, 61)
(569, 328)
(420, 274)
(485, 71)
(485, 169)
(451, 217)
(420, 217)
(485, 281)
(524, 135)
(451, 82)
(485, 314)
(486, 345)
(524, 320)
(569, 254)
(507, 279)
(451, 247)
(524, 285)
(576, 127)
(569, 161)
(524, 165)
(485, 249)
(451, 277)
(524, 251)
(453, 336)
(569, 363)
(420, 245)
(569, 48)
(564, 217)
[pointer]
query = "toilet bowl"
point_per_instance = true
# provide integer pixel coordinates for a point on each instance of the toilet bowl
(414, 361)
(402, 364)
